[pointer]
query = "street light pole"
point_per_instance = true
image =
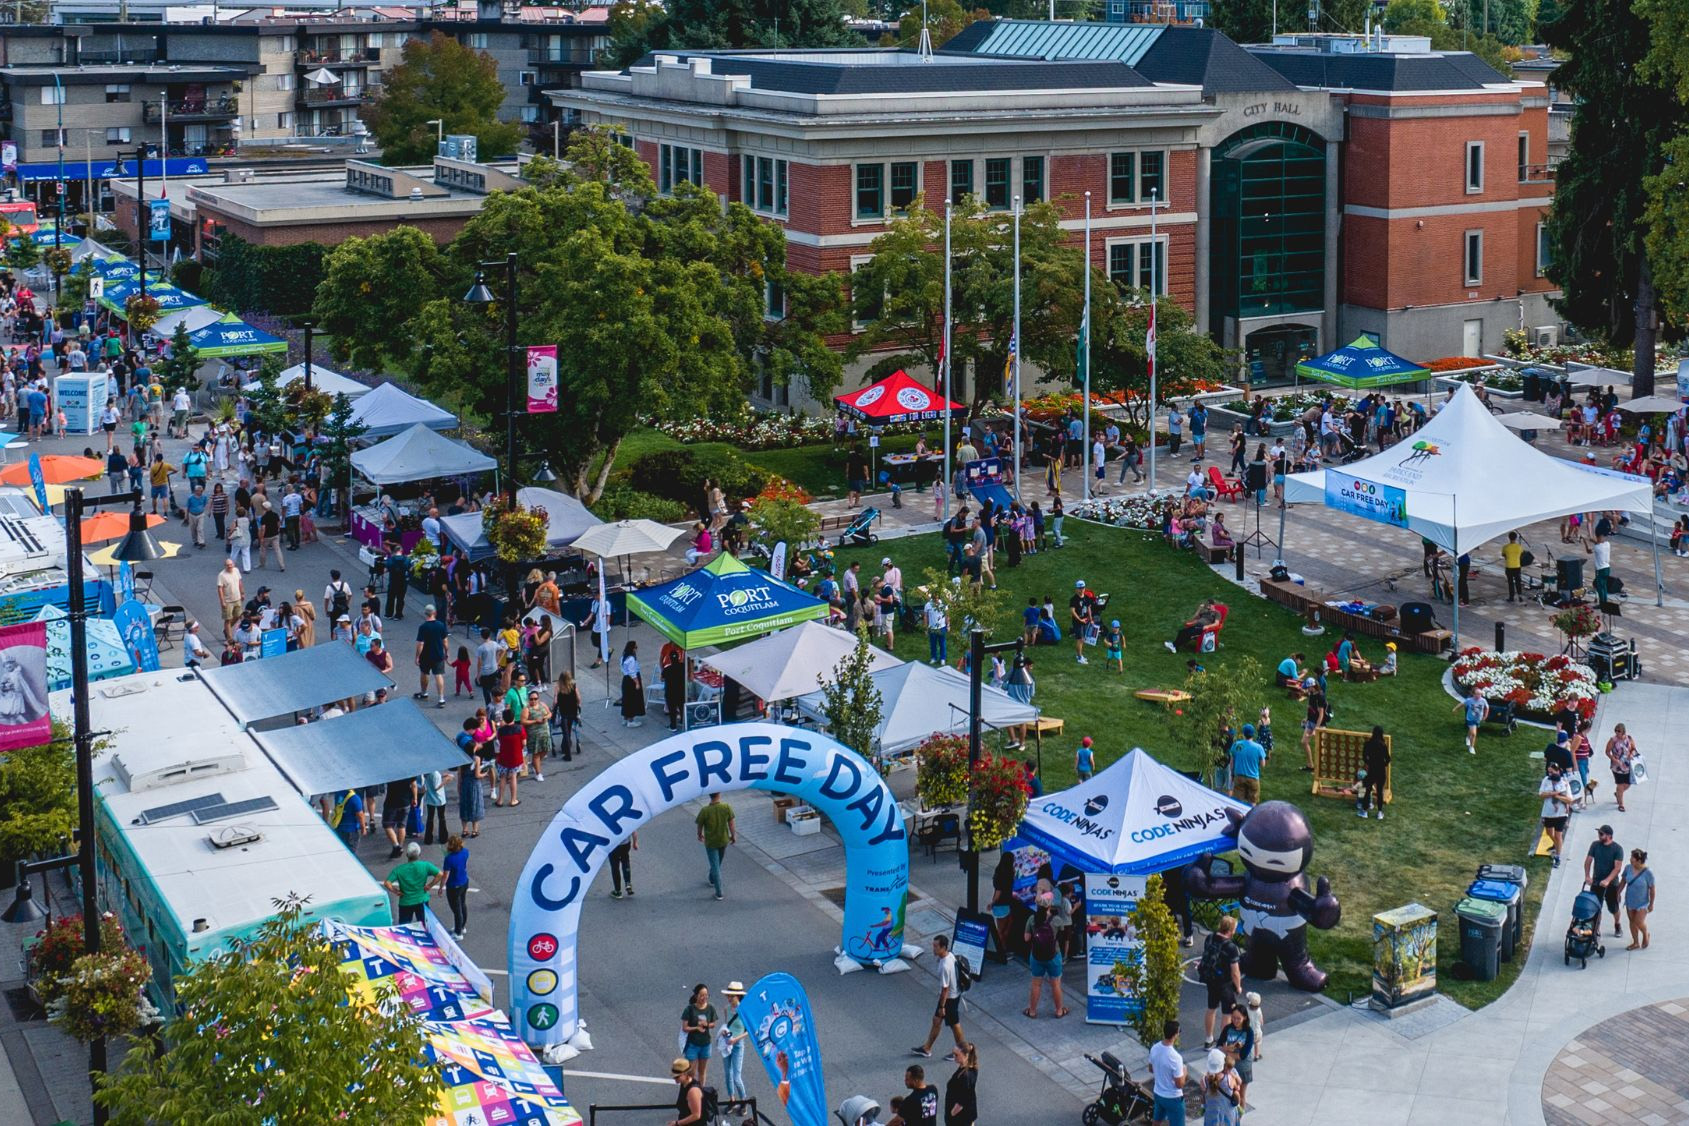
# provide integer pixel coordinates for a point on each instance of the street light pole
(309, 325)
(978, 650)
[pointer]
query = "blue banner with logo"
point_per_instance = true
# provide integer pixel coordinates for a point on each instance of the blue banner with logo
(125, 582)
(108, 169)
(1367, 499)
(1113, 948)
(158, 220)
(273, 643)
(776, 1012)
(39, 480)
(135, 626)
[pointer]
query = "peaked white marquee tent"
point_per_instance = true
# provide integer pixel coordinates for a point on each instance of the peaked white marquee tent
(917, 701)
(417, 455)
(794, 661)
(386, 410)
(322, 378)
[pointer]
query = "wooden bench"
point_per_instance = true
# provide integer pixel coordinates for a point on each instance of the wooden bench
(1337, 755)
(1047, 725)
(1304, 601)
(836, 523)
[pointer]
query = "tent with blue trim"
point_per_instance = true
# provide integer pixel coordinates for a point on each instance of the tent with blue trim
(1133, 819)
(1360, 365)
(723, 601)
(117, 296)
(232, 336)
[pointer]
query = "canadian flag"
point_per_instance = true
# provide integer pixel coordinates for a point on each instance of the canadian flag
(1149, 340)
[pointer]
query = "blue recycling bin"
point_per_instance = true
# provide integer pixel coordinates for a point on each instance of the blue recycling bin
(1511, 896)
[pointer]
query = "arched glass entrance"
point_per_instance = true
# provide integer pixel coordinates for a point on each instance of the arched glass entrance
(1267, 253)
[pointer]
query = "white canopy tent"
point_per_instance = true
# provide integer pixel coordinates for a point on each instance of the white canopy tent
(794, 661)
(917, 701)
(417, 455)
(385, 410)
(566, 519)
(323, 379)
(1463, 479)
(195, 317)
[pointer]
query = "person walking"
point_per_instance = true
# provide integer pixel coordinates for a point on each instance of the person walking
(566, 707)
(1167, 1072)
(1556, 794)
(1477, 711)
(1621, 756)
(961, 1092)
(240, 538)
(487, 666)
(270, 528)
(512, 756)
(949, 1010)
(1085, 760)
(1247, 758)
(730, 1043)
(456, 867)
(698, 1021)
(716, 830)
(396, 809)
(1603, 870)
(1638, 884)
(621, 867)
(536, 720)
(195, 508)
(689, 1095)
(231, 597)
(433, 806)
(412, 882)
(471, 799)
(1219, 969)
(1375, 760)
(308, 619)
(633, 687)
(431, 638)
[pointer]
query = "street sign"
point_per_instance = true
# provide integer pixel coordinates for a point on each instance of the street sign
(96, 288)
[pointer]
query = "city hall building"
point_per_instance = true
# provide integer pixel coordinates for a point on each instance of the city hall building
(1302, 192)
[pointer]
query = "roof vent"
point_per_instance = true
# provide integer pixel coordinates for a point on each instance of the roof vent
(233, 836)
(201, 926)
(416, 195)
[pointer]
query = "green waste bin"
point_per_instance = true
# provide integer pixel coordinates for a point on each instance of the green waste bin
(1481, 923)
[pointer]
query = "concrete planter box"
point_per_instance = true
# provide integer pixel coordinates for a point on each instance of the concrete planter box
(1448, 380)
(1221, 421)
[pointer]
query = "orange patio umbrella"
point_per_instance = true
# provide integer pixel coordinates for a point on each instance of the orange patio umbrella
(57, 469)
(112, 525)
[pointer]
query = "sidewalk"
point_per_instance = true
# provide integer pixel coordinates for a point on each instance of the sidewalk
(1450, 1067)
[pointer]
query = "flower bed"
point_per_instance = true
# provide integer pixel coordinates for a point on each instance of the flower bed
(1136, 511)
(1537, 686)
(1455, 363)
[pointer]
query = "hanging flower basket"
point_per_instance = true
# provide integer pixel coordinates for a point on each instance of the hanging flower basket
(141, 312)
(516, 533)
(999, 801)
(104, 995)
(58, 946)
(942, 777)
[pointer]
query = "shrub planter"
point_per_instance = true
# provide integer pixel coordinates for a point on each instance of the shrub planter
(1222, 419)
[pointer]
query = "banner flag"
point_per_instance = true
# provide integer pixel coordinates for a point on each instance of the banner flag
(23, 686)
(542, 379)
(776, 1011)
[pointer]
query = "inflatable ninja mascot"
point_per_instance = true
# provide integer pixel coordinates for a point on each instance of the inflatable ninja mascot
(1275, 844)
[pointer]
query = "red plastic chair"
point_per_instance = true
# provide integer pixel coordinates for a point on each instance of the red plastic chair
(1223, 487)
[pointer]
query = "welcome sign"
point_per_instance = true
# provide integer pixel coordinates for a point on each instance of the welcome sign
(1369, 500)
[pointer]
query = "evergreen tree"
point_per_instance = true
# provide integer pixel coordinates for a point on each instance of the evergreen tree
(181, 367)
(851, 700)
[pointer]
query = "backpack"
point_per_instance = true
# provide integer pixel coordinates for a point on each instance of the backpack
(1044, 941)
(1208, 969)
(965, 976)
(342, 603)
(709, 1108)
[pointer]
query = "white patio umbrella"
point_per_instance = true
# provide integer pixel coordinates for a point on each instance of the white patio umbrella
(323, 76)
(624, 538)
(1528, 420)
(1652, 404)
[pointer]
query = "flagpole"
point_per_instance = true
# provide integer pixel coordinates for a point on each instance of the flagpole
(944, 367)
(1014, 344)
(1154, 400)
(1085, 342)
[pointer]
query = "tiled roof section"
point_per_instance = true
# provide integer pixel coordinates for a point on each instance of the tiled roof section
(902, 72)
(1448, 70)
(1186, 56)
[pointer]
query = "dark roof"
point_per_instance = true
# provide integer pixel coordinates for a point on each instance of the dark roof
(879, 71)
(1186, 56)
(1444, 70)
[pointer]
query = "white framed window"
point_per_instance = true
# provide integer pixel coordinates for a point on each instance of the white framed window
(282, 81)
(119, 136)
(1139, 263)
(1474, 167)
(52, 95)
(526, 77)
(676, 164)
(1545, 250)
(1137, 177)
(870, 191)
(1473, 259)
(764, 184)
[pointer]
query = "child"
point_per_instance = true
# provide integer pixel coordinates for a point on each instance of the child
(1029, 622)
(1037, 528)
(1114, 646)
(461, 667)
(1388, 668)
(1264, 730)
(1257, 1022)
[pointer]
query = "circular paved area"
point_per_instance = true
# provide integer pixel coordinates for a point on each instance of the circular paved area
(1628, 1069)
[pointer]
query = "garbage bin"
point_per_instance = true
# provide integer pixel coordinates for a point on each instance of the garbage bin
(1511, 896)
(1511, 873)
(1481, 924)
(1533, 385)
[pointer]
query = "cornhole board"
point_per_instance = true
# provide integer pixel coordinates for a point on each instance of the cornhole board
(1337, 755)
(1166, 697)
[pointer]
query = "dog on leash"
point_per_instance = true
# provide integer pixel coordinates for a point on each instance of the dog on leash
(1586, 799)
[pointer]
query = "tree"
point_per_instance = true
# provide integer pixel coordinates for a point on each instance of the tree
(181, 367)
(945, 20)
(440, 78)
(1120, 357)
(966, 604)
(1445, 28)
(1623, 119)
(22, 253)
(728, 23)
(1155, 978)
(1666, 219)
(266, 405)
(268, 1031)
(372, 287)
(850, 701)
(37, 798)
(784, 521)
(340, 431)
(1223, 698)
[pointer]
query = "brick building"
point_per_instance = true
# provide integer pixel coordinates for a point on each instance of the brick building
(1280, 237)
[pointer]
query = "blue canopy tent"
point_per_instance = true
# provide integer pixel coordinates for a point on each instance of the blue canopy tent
(723, 601)
(232, 336)
(1362, 365)
(117, 296)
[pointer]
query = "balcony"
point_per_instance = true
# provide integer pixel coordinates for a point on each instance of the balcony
(223, 108)
(578, 55)
(333, 96)
(360, 56)
(1536, 173)
(120, 58)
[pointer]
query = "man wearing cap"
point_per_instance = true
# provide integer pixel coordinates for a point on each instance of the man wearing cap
(1556, 794)
(1247, 758)
(1079, 611)
(1084, 760)
(1602, 867)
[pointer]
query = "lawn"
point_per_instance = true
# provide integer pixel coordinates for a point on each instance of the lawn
(818, 469)
(1452, 811)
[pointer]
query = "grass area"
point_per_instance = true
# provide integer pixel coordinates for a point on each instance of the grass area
(1452, 811)
(818, 469)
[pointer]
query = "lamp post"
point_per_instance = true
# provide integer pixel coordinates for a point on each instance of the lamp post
(136, 547)
(142, 220)
(978, 650)
(309, 327)
(439, 124)
(479, 294)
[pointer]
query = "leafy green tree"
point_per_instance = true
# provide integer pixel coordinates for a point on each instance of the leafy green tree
(372, 287)
(269, 1032)
(945, 20)
(1120, 358)
(1155, 978)
(966, 605)
(22, 253)
(1666, 219)
(784, 521)
(440, 78)
(1226, 696)
(728, 23)
(851, 701)
(1437, 23)
(1625, 116)
(181, 367)
(37, 797)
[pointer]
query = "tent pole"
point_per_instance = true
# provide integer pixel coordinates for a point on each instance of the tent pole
(1454, 571)
(944, 387)
(1654, 537)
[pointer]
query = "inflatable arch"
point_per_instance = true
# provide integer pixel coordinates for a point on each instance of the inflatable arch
(545, 917)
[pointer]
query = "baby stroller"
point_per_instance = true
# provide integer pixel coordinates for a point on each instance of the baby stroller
(1120, 1100)
(1582, 939)
(1348, 450)
(858, 530)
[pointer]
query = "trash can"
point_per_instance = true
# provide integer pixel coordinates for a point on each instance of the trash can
(1533, 385)
(1512, 873)
(1511, 896)
(1481, 924)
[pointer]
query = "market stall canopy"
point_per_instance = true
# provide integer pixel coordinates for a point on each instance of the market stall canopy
(324, 380)
(1441, 482)
(231, 336)
(117, 295)
(292, 682)
(1591, 375)
(1135, 818)
(626, 537)
(108, 656)
(1528, 420)
(387, 409)
(47, 236)
(897, 398)
(369, 747)
(918, 701)
(193, 318)
(722, 601)
(1361, 364)
(1652, 404)
(566, 519)
(417, 455)
(794, 661)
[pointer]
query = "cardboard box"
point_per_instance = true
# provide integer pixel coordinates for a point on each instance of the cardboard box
(783, 805)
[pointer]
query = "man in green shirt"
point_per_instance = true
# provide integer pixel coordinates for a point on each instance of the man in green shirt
(716, 831)
(412, 882)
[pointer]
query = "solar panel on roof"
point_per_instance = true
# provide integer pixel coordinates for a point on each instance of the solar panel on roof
(176, 809)
(233, 809)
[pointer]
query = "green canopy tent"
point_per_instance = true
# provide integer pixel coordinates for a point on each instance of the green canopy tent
(232, 336)
(1362, 365)
(723, 601)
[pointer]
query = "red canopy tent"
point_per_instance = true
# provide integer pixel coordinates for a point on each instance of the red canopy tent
(897, 398)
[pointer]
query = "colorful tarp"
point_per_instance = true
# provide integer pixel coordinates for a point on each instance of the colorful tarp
(897, 398)
(1363, 363)
(723, 601)
(232, 336)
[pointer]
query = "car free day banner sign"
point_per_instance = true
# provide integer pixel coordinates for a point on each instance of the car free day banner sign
(545, 914)
(1366, 499)
(542, 379)
(776, 1011)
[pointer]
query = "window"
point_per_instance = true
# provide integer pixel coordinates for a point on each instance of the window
(1140, 264)
(117, 92)
(1474, 257)
(905, 181)
(284, 121)
(476, 39)
(530, 115)
(53, 137)
(1123, 177)
(624, 138)
(1474, 167)
(961, 180)
(1545, 250)
(773, 301)
(117, 136)
(997, 182)
(678, 164)
(870, 191)
(52, 95)
(1524, 156)
(526, 77)
(765, 183)
(283, 81)
(1032, 179)
(377, 40)
(1151, 178)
